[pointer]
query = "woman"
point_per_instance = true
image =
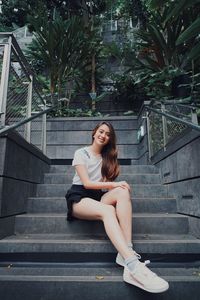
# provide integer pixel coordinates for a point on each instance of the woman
(95, 195)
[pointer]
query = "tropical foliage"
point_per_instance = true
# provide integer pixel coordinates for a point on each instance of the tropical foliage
(167, 46)
(58, 47)
(66, 50)
(16, 12)
(160, 57)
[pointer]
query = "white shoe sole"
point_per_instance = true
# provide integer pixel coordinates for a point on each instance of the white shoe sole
(131, 280)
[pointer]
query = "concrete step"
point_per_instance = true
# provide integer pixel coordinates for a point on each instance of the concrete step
(65, 135)
(129, 169)
(78, 124)
(138, 190)
(133, 178)
(162, 223)
(58, 205)
(81, 137)
(97, 247)
(57, 151)
(53, 281)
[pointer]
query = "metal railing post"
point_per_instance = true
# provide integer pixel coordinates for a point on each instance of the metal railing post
(27, 131)
(4, 80)
(194, 116)
(44, 132)
(165, 117)
(149, 136)
(164, 123)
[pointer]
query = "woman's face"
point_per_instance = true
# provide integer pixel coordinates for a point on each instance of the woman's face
(102, 135)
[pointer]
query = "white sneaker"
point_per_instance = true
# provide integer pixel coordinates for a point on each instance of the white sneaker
(145, 279)
(120, 261)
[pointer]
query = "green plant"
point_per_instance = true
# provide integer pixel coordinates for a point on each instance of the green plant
(69, 112)
(60, 45)
(166, 48)
(157, 85)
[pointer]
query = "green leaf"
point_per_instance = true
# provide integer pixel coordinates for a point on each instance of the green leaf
(129, 112)
(157, 37)
(167, 83)
(195, 52)
(191, 31)
(100, 97)
(180, 6)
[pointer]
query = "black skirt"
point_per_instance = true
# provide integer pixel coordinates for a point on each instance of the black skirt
(76, 193)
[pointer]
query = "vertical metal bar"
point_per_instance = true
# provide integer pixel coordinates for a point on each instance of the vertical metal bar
(4, 80)
(194, 116)
(44, 132)
(27, 131)
(164, 123)
(149, 136)
(25, 31)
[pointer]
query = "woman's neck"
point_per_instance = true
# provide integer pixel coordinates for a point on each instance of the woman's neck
(96, 149)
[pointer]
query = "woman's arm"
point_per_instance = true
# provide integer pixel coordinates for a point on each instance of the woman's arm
(88, 184)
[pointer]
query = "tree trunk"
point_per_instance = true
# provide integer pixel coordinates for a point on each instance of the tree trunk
(93, 81)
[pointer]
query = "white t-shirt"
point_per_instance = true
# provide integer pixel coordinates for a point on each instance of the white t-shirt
(93, 163)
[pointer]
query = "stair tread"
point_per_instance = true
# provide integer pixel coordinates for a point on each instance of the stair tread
(132, 184)
(66, 238)
(135, 198)
(136, 215)
(124, 174)
(91, 273)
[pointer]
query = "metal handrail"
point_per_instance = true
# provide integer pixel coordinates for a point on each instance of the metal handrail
(189, 124)
(178, 103)
(25, 65)
(28, 121)
(161, 131)
(30, 98)
(14, 126)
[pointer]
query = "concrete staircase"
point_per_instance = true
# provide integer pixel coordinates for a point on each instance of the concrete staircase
(64, 136)
(50, 258)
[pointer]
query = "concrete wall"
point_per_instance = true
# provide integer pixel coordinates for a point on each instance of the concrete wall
(65, 135)
(180, 170)
(21, 167)
(108, 105)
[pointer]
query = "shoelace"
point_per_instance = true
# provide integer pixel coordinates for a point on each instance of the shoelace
(148, 271)
(147, 262)
(138, 255)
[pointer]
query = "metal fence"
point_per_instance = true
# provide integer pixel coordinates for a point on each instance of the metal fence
(166, 122)
(22, 32)
(19, 94)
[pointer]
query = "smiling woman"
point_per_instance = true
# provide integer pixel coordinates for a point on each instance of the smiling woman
(94, 195)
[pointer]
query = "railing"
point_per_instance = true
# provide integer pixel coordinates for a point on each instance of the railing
(20, 99)
(22, 32)
(165, 122)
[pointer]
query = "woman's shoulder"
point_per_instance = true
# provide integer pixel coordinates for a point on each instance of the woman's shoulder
(83, 151)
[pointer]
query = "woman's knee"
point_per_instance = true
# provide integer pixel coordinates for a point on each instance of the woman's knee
(122, 194)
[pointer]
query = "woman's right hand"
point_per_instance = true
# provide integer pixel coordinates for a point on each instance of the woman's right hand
(122, 184)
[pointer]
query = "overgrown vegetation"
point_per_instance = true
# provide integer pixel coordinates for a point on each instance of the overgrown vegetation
(156, 48)
(166, 56)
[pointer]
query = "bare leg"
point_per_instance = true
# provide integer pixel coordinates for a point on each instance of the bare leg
(135, 273)
(89, 209)
(120, 198)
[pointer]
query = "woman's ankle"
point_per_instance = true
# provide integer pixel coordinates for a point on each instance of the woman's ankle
(131, 262)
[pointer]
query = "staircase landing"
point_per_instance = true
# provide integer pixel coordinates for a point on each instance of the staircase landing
(54, 257)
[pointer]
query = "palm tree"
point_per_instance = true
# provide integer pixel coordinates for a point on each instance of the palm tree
(61, 46)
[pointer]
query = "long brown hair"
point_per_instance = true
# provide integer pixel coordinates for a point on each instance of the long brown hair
(110, 165)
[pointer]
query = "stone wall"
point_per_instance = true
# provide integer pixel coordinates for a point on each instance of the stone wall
(22, 166)
(180, 170)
